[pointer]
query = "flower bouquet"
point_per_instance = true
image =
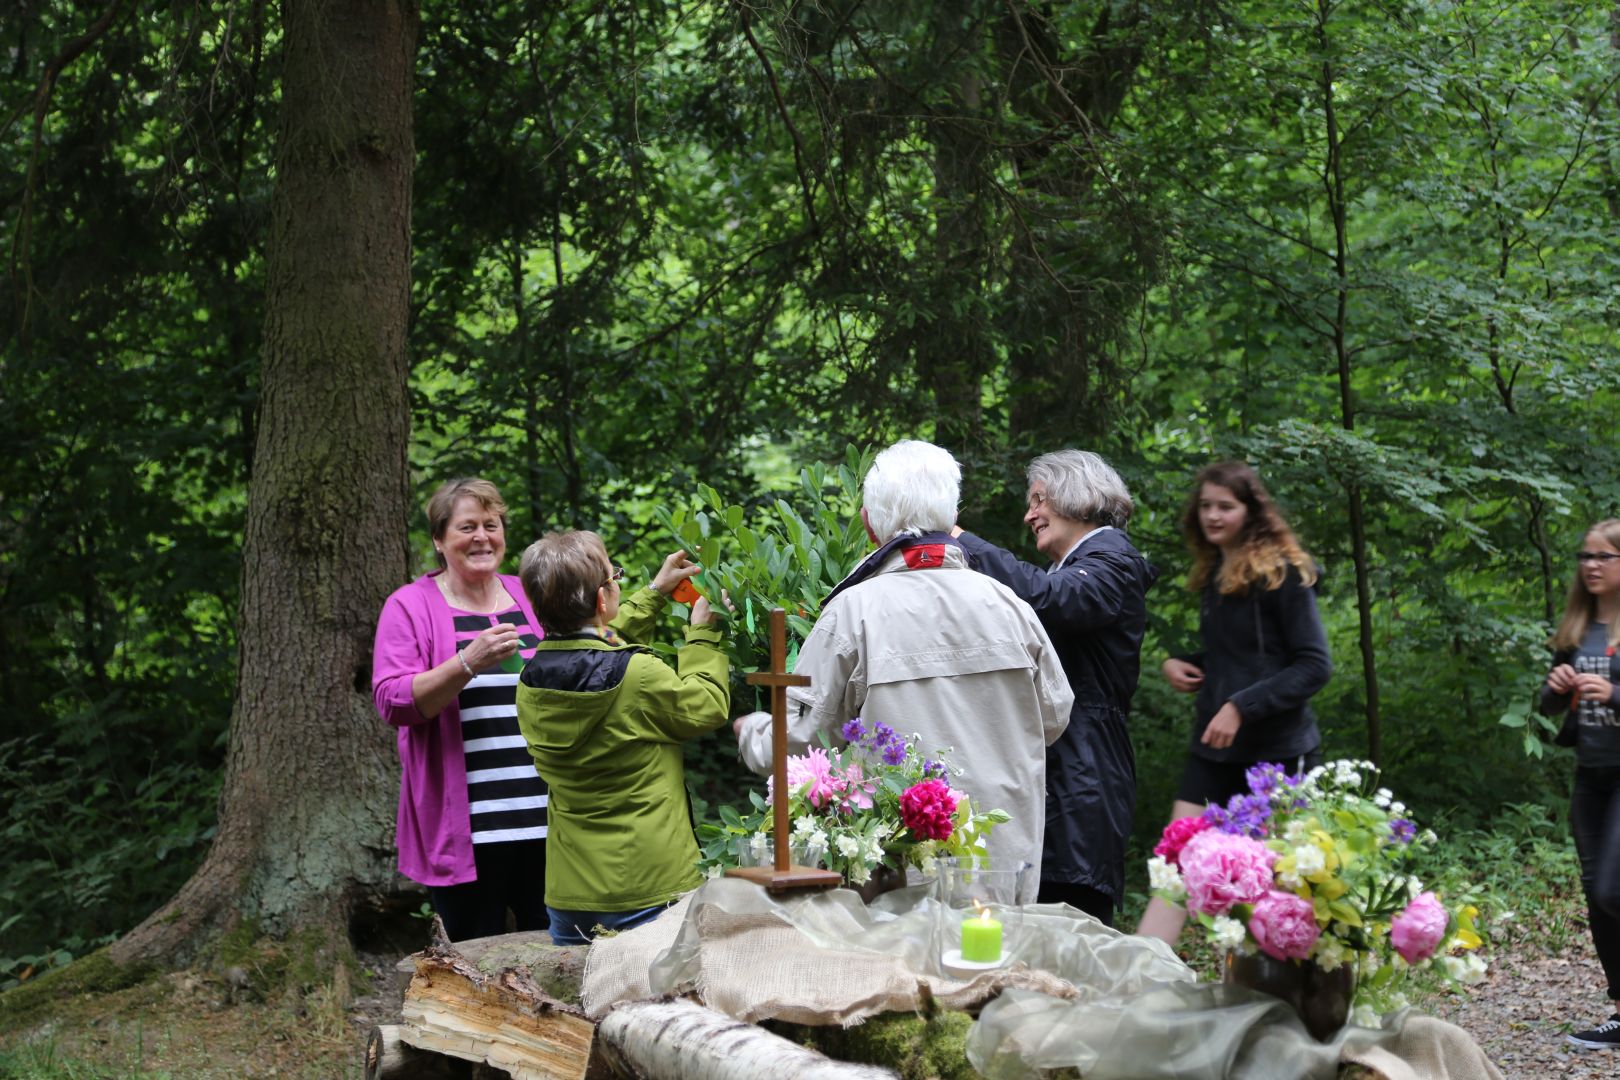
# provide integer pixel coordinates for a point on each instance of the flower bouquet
(1318, 869)
(877, 802)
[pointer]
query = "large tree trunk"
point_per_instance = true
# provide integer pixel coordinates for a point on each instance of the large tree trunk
(305, 823)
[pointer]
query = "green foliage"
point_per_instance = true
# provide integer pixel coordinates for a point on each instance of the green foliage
(84, 854)
(775, 556)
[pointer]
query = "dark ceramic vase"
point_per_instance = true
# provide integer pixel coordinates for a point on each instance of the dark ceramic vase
(883, 880)
(1321, 998)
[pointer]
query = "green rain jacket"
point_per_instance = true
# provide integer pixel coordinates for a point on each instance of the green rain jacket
(605, 723)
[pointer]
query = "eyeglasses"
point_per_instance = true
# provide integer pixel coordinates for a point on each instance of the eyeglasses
(615, 574)
(1037, 499)
(1602, 558)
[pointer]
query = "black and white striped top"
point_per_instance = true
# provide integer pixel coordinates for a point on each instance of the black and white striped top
(505, 796)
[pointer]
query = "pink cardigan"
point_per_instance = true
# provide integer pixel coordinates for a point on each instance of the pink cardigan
(415, 632)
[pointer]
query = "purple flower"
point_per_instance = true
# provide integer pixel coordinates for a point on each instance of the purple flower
(894, 753)
(934, 769)
(1264, 778)
(882, 735)
(854, 731)
(1402, 831)
(1243, 815)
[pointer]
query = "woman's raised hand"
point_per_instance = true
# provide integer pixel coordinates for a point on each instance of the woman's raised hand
(1561, 679)
(676, 569)
(1184, 677)
(704, 615)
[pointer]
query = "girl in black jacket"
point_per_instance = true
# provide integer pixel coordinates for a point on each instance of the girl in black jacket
(1583, 684)
(1264, 650)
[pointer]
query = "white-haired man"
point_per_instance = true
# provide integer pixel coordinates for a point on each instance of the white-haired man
(914, 639)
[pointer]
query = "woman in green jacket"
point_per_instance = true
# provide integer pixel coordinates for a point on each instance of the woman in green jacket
(605, 720)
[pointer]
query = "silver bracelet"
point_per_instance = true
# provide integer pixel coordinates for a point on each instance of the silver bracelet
(471, 674)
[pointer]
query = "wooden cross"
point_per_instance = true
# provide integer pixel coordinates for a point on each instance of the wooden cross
(783, 876)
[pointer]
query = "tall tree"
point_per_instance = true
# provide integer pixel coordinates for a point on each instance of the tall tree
(305, 807)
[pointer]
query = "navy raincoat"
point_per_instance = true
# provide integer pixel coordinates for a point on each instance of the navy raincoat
(1094, 608)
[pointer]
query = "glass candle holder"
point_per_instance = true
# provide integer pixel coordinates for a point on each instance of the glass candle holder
(979, 915)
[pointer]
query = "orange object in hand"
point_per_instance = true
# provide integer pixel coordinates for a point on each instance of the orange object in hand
(685, 593)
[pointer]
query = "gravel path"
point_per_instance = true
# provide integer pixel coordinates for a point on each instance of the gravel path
(1530, 1001)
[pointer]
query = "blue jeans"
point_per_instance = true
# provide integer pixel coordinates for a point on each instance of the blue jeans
(579, 927)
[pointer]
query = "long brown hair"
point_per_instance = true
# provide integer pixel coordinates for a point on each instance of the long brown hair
(1268, 545)
(1580, 606)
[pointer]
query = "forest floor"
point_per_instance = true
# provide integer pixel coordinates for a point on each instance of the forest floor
(190, 1026)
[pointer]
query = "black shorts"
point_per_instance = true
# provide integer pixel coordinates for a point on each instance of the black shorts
(1206, 782)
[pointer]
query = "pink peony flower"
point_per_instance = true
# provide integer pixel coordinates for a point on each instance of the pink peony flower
(1418, 931)
(1284, 925)
(1176, 835)
(814, 772)
(928, 809)
(1221, 870)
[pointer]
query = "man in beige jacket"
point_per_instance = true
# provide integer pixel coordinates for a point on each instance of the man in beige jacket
(915, 639)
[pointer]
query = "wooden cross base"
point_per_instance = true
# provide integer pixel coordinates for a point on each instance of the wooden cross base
(794, 877)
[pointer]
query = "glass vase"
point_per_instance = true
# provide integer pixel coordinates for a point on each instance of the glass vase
(1320, 998)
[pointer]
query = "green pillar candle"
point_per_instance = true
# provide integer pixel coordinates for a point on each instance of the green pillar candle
(981, 939)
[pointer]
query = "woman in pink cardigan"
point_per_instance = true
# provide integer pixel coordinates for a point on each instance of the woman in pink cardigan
(449, 647)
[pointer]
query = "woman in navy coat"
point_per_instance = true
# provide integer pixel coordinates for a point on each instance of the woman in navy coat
(1091, 599)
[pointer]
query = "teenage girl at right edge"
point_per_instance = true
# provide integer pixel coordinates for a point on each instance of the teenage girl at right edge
(1584, 684)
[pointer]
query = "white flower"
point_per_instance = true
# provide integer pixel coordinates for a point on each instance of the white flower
(848, 846)
(1365, 1016)
(1228, 933)
(759, 845)
(1329, 953)
(803, 826)
(1162, 877)
(1288, 879)
(1383, 796)
(1397, 809)
(713, 870)
(1351, 800)
(1413, 886)
(1397, 1000)
(817, 839)
(1295, 831)
(1467, 970)
(859, 873)
(1308, 860)
(1370, 965)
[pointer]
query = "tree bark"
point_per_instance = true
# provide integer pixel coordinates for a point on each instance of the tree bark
(305, 821)
(1333, 181)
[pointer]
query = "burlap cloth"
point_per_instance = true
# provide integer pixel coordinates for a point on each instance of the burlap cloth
(1074, 993)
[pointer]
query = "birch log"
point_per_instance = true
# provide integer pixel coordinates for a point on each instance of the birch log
(680, 1040)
